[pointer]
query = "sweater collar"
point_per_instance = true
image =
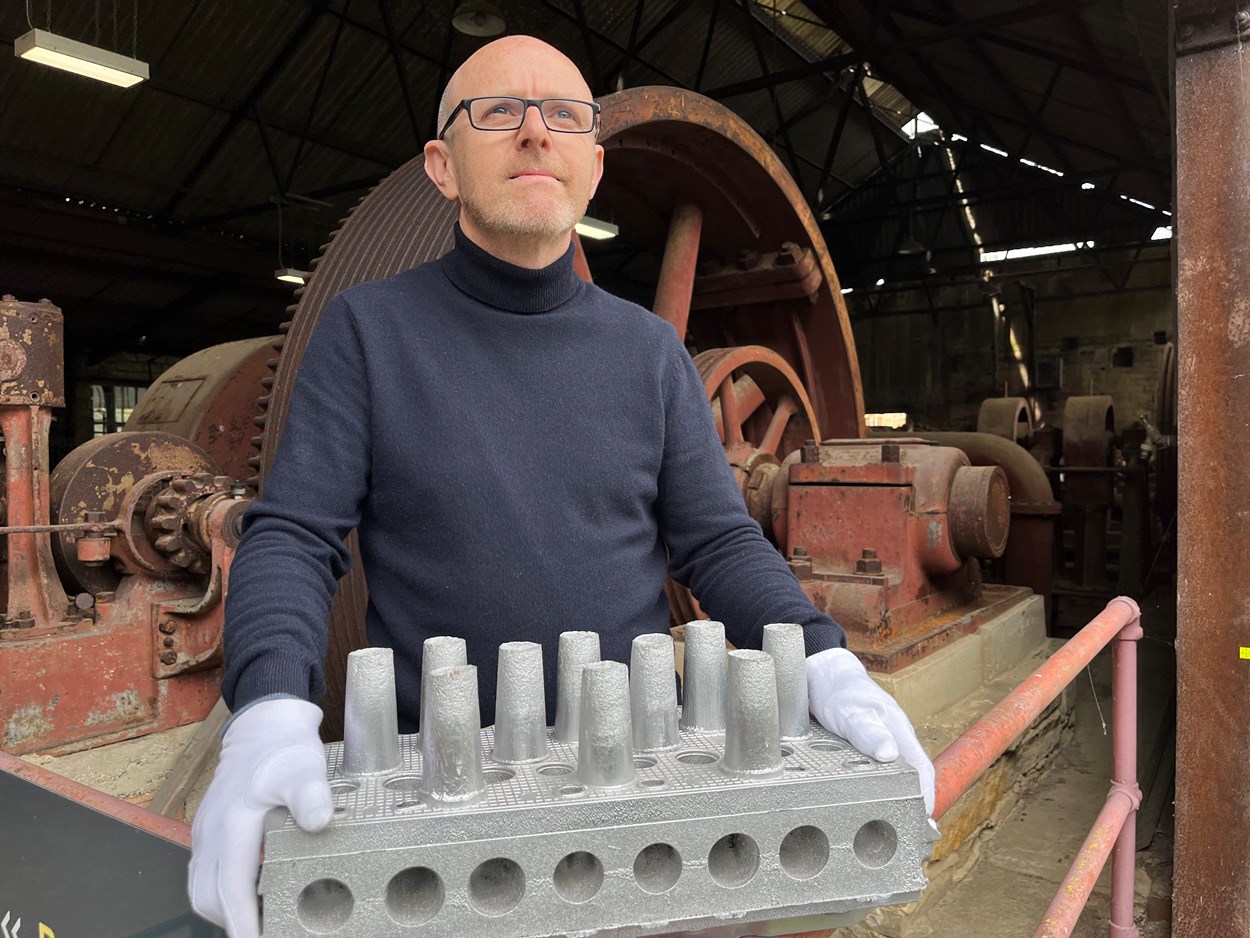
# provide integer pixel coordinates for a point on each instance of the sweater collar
(497, 283)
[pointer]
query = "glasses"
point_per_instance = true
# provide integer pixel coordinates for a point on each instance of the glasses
(560, 115)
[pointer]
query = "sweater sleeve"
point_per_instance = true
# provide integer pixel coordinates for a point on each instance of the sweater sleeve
(292, 552)
(715, 548)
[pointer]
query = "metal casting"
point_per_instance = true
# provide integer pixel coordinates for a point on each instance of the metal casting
(728, 834)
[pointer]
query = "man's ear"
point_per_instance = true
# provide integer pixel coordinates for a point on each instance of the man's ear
(438, 166)
(596, 175)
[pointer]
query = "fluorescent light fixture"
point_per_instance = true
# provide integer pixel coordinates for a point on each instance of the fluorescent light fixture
(1047, 169)
(1162, 233)
(881, 282)
(1087, 185)
(47, 48)
(846, 290)
(1166, 212)
(986, 146)
(291, 275)
(960, 137)
(595, 229)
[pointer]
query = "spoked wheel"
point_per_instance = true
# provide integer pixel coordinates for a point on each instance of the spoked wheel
(762, 414)
(760, 407)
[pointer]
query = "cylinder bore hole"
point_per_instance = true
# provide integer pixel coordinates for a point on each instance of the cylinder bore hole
(578, 877)
(324, 906)
(733, 860)
(657, 868)
(496, 886)
(804, 852)
(414, 896)
(875, 844)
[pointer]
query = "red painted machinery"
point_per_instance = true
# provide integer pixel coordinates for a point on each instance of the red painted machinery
(115, 565)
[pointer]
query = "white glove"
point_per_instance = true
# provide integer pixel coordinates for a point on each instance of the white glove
(849, 703)
(271, 757)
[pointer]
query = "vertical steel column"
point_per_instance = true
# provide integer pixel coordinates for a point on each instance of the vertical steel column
(1212, 852)
(681, 254)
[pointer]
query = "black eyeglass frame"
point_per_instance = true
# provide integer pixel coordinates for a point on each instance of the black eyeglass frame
(595, 106)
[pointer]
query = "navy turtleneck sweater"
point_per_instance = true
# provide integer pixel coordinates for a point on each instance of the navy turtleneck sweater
(523, 454)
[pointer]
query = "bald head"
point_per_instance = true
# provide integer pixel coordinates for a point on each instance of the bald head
(505, 66)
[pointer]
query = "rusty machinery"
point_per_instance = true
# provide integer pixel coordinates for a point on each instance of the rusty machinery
(883, 535)
(1102, 482)
(115, 564)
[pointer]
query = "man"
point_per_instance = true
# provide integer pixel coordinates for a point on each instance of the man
(521, 453)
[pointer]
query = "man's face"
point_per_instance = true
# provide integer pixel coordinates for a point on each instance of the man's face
(529, 181)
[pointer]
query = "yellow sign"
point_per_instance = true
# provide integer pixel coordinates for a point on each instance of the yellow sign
(1245, 654)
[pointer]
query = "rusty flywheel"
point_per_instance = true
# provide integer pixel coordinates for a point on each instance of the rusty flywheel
(695, 185)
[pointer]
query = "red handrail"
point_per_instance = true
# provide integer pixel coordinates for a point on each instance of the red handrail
(964, 760)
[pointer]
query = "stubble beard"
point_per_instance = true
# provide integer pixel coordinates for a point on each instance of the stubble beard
(514, 219)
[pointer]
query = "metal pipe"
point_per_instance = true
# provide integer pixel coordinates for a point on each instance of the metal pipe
(1064, 910)
(1124, 776)
(961, 763)
(677, 269)
(1115, 828)
(85, 527)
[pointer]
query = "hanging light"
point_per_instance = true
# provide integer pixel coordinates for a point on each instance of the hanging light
(81, 58)
(478, 19)
(596, 229)
(292, 275)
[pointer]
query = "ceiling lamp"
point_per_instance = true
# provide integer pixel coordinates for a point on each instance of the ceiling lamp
(478, 19)
(291, 275)
(47, 48)
(595, 229)
(911, 246)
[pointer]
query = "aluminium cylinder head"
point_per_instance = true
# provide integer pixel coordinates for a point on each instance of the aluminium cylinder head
(576, 650)
(784, 641)
(653, 692)
(752, 746)
(605, 755)
(370, 717)
(703, 678)
(451, 754)
(520, 704)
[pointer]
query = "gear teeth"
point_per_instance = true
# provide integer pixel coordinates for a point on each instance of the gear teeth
(253, 482)
(267, 383)
(257, 441)
(253, 462)
(264, 402)
(259, 421)
(272, 364)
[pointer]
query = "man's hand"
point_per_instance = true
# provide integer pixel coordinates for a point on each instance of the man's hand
(848, 702)
(271, 757)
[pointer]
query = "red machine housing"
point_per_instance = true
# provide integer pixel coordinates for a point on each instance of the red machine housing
(885, 536)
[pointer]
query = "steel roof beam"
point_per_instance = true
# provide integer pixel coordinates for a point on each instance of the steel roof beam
(249, 102)
(401, 75)
(902, 47)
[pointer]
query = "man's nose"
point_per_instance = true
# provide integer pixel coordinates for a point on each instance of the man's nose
(533, 130)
